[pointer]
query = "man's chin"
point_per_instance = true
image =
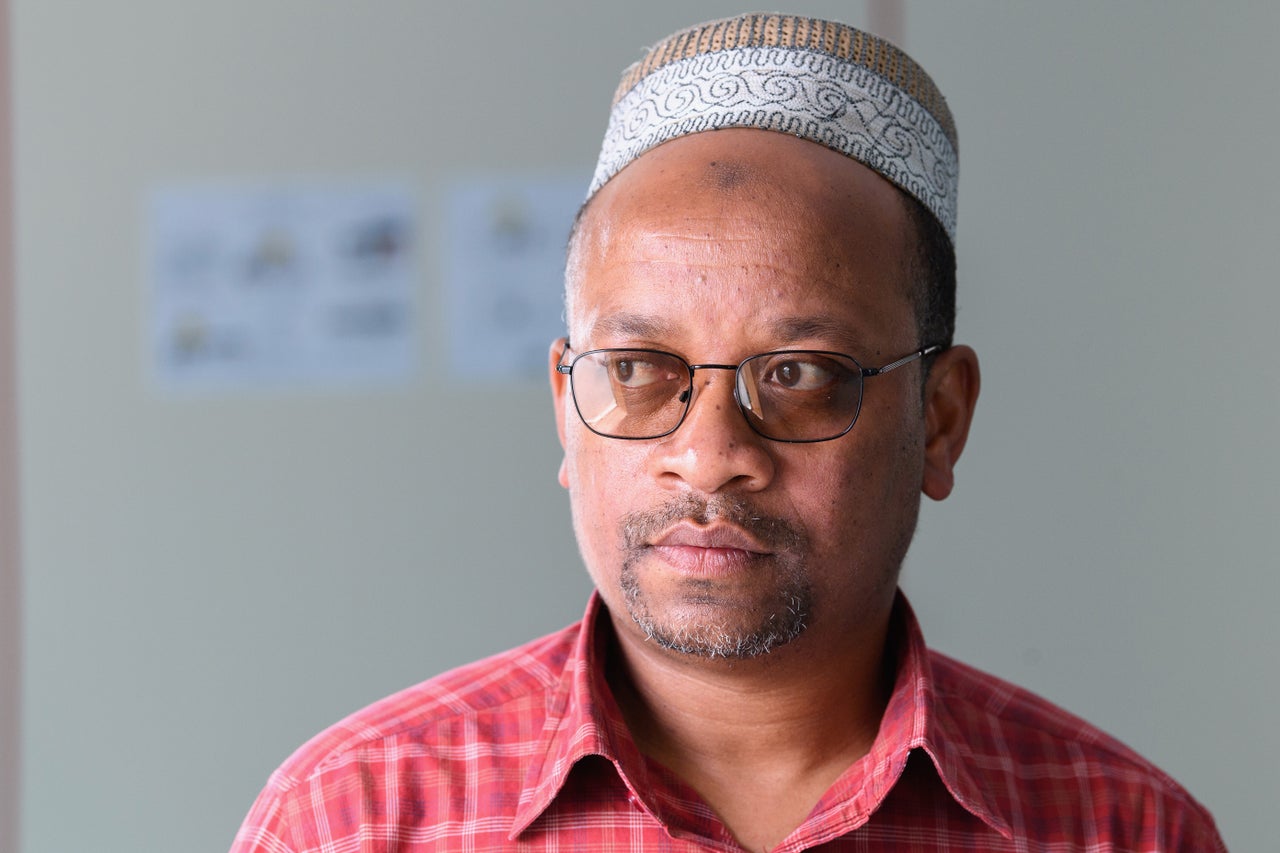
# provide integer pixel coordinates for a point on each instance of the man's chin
(712, 631)
(718, 645)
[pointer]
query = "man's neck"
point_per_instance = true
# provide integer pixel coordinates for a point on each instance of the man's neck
(760, 740)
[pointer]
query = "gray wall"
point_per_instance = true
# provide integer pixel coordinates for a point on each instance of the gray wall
(209, 581)
(10, 595)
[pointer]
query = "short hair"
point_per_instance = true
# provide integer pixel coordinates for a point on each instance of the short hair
(932, 270)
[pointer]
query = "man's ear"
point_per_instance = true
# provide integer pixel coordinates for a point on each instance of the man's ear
(951, 393)
(559, 391)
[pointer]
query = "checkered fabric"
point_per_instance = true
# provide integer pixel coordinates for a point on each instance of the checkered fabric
(528, 751)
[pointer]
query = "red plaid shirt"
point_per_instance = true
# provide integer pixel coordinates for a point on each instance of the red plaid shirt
(527, 750)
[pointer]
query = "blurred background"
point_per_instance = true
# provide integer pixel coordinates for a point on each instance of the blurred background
(277, 440)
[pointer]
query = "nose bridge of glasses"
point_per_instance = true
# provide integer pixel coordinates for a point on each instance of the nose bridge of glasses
(693, 368)
(693, 375)
(736, 386)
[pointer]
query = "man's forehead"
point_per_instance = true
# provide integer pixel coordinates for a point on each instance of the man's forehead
(679, 264)
(717, 174)
(784, 330)
(738, 160)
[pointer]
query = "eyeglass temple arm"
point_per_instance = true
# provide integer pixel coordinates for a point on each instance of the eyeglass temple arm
(906, 359)
(561, 367)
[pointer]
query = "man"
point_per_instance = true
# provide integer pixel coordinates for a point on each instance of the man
(757, 385)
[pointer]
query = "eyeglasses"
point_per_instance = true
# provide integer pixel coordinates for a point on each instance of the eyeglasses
(788, 395)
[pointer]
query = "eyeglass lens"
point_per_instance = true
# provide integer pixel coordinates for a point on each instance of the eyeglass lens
(786, 396)
(800, 396)
(630, 393)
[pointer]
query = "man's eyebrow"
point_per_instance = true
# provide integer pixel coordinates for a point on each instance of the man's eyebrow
(790, 329)
(784, 331)
(628, 325)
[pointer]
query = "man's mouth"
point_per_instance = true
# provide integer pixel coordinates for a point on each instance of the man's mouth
(720, 537)
(718, 549)
(708, 538)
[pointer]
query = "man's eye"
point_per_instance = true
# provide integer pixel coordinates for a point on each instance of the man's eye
(807, 374)
(634, 372)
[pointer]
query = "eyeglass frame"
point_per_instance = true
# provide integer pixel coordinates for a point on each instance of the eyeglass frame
(864, 374)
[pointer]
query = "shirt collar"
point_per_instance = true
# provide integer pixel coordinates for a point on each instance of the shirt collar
(583, 719)
(917, 718)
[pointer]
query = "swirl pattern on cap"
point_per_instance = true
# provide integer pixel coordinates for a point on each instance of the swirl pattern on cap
(837, 103)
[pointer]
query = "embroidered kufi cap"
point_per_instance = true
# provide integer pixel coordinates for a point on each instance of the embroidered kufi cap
(819, 80)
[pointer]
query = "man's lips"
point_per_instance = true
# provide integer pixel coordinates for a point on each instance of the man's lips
(714, 537)
(715, 550)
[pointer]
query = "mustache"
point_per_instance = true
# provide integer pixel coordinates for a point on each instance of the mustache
(775, 533)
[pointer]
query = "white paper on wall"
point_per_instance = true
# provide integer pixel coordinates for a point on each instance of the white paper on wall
(281, 285)
(504, 242)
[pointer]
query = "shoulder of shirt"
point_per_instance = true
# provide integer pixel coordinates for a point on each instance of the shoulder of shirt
(529, 673)
(964, 693)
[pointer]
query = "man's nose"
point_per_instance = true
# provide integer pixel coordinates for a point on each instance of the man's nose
(714, 448)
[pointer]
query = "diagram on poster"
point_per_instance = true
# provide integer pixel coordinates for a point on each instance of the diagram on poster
(278, 286)
(504, 267)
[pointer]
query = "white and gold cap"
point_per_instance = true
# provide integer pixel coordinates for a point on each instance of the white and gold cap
(819, 80)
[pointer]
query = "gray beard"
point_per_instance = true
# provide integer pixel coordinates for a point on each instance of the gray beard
(780, 620)
(781, 624)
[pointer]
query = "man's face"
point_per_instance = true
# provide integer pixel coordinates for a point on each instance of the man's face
(714, 541)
